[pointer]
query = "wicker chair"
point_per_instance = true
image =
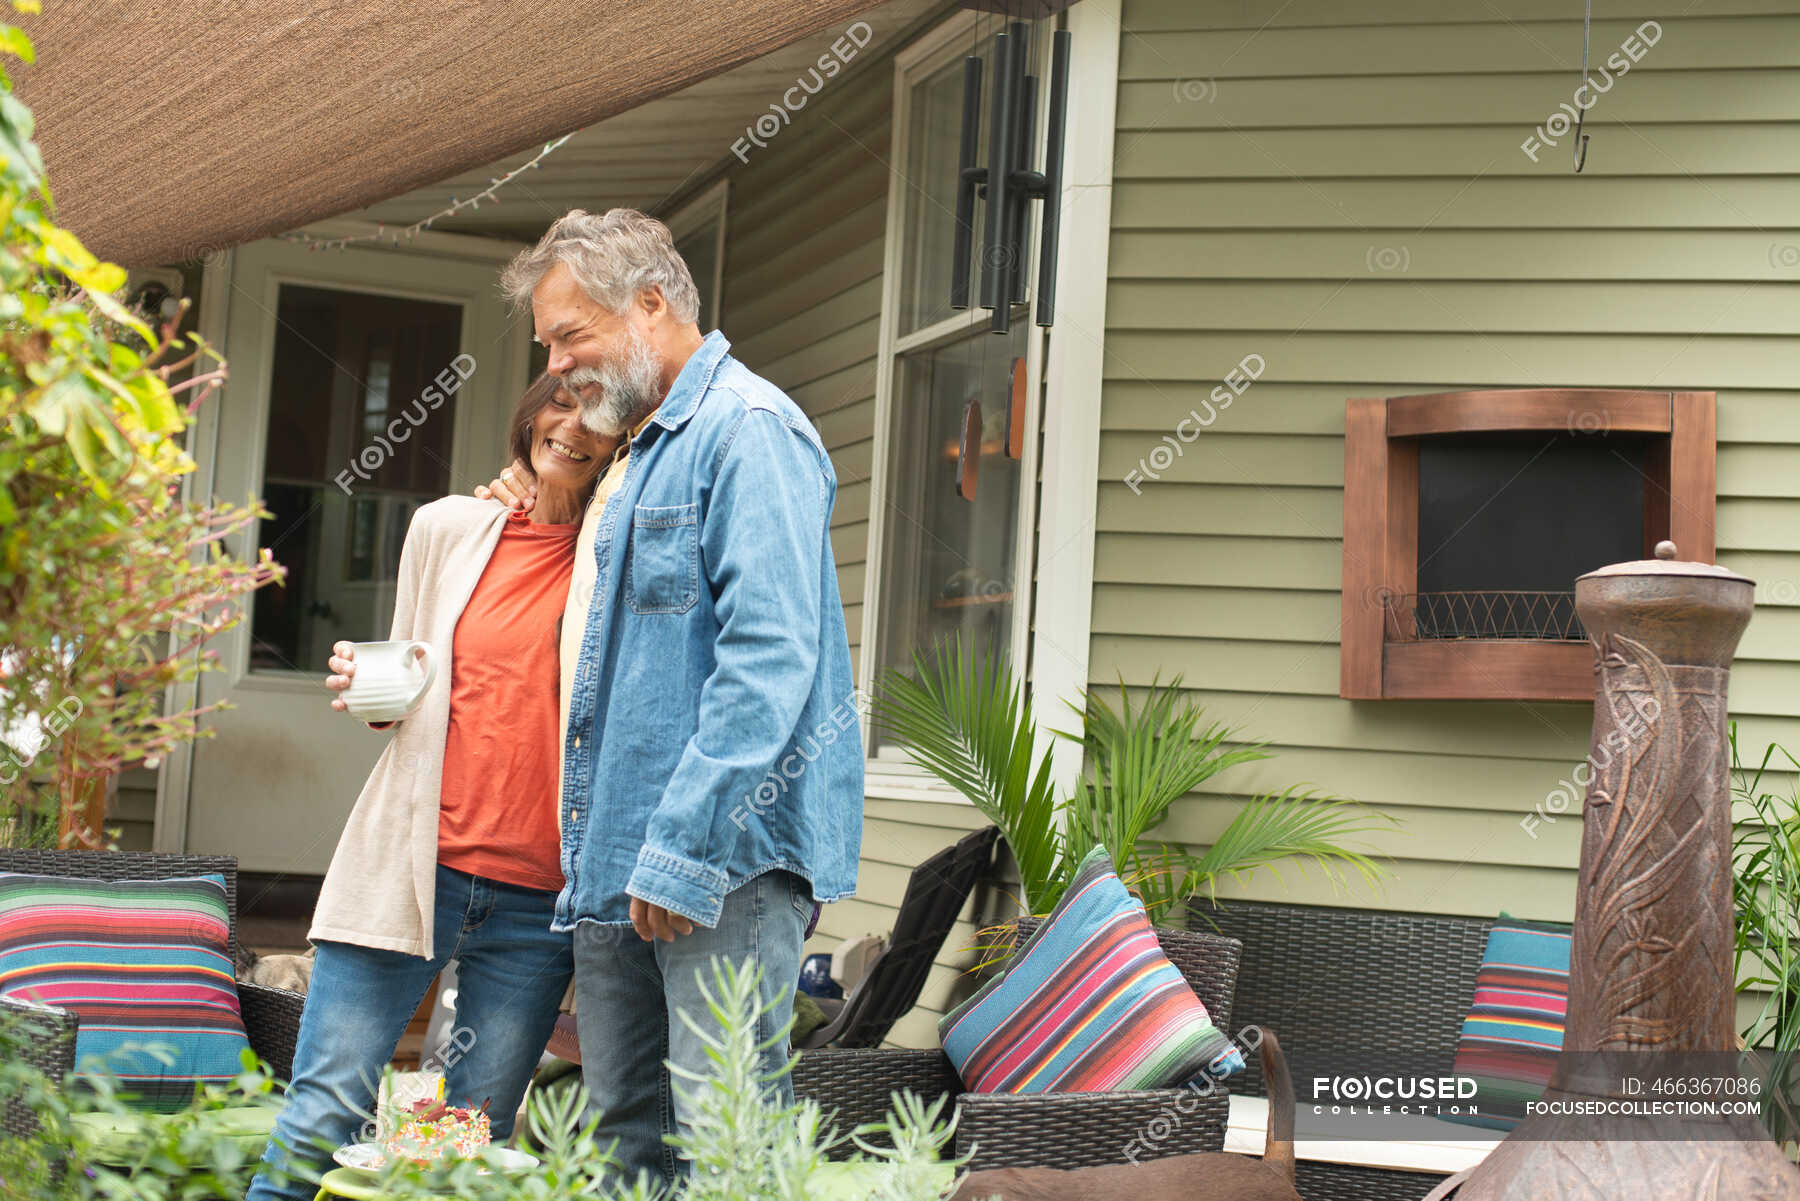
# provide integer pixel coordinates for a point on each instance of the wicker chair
(1393, 986)
(271, 1015)
(1065, 1130)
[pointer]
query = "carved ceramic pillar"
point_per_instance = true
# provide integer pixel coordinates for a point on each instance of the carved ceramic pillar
(1650, 963)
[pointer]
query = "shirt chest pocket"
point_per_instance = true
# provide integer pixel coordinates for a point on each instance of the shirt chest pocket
(663, 573)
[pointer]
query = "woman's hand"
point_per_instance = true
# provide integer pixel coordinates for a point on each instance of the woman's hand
(343, 667)
(516, 488)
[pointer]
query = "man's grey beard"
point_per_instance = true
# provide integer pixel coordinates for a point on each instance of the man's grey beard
(615, 397)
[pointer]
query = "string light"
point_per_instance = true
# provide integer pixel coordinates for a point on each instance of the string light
(424, 223)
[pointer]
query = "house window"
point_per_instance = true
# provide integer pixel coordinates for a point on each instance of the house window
(699, 230)
(1469, 515)
(950, 526)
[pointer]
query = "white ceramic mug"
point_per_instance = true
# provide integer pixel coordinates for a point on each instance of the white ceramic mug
(390, 679)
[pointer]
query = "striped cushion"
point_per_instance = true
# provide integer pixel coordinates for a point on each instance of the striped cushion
(1514, 1030)
(142, 962)
(1088, 1004)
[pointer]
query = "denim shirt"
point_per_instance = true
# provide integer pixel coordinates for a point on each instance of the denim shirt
(714, 731)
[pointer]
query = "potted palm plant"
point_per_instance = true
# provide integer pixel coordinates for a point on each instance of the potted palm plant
(965, 718)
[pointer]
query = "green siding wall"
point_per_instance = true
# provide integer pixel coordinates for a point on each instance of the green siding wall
(1250, 223)
(1340, 189)
(802, 294)
(805, 228)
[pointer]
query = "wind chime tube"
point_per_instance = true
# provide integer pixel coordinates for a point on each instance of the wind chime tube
(1021, 192)
(999, 190)
(1022, 103)
(1023, 144)
(1056, 121)
(969, 175)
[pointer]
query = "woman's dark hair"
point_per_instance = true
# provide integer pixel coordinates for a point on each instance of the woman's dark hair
(534, 400)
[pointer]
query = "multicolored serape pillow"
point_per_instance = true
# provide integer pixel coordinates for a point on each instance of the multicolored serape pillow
(1514, 1030)
(1088, 1004)
(144, 963)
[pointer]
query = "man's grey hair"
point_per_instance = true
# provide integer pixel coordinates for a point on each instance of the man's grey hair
(613, 255)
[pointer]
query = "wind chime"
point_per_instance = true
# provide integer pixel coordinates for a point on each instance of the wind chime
(1005, 185)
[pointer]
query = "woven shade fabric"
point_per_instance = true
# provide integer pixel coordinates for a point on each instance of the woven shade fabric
(171, 131)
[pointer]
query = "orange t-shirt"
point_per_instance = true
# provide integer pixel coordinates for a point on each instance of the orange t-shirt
(498, 813)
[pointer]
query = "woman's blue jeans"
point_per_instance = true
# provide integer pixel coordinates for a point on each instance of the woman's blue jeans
(511, 974)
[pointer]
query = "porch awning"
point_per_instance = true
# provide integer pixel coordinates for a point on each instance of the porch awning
(171, 130)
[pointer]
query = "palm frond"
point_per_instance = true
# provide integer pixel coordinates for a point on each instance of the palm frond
(1144, 757)
(1296, 824)
(1158, 874)
(964, 718)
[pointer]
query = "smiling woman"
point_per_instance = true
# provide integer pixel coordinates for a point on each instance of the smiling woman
(459, 816)
(563, 455)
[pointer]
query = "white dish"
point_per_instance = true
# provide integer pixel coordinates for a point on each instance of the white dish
(373, 1157)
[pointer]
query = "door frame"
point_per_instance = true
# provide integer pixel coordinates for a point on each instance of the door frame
(222, 280)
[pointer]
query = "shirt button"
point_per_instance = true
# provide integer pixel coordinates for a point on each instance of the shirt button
(578, 743)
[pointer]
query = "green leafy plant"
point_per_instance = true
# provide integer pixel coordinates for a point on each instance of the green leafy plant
(1765, 892)
(743, 1146)
(174, 1157)
(109, 582)
(965, 718)
(967, 721)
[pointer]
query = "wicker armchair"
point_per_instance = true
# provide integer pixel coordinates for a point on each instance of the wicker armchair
(1392, 985)
(1064, 1130)
(271, 1015)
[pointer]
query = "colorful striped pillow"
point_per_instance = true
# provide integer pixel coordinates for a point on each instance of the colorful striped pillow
(1088, 1004)
(1514, 1030)
(142, 962)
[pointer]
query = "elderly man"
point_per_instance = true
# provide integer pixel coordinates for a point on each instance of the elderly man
(712, 768)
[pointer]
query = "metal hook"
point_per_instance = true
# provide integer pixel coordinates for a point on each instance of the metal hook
(1580, 144)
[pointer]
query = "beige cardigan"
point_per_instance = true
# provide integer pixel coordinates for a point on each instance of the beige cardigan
(380, 890)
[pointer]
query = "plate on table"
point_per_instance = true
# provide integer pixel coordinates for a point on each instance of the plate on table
(373, 1157)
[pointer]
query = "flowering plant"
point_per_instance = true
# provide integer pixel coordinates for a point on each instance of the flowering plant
(110, 582)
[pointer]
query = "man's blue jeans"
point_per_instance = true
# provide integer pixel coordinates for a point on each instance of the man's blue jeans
(628, 993)
(511, 974)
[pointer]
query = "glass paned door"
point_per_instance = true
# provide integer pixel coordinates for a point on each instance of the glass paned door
(362, 407)
(364, 384)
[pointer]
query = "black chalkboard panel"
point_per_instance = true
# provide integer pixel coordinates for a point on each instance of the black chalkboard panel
(1504, 513)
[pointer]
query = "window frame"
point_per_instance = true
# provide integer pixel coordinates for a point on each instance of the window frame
(1381, 531)
(891, 776)
(712, 202)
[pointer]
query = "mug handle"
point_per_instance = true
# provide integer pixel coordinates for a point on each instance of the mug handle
(430, 659)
